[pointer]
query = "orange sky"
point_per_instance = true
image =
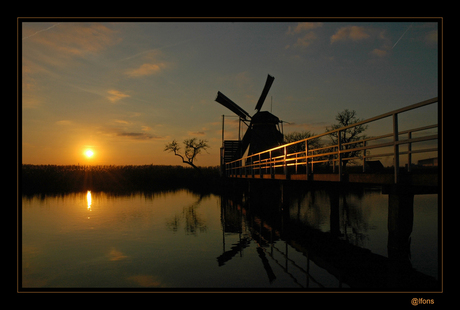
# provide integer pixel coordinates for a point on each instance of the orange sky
(125, 89)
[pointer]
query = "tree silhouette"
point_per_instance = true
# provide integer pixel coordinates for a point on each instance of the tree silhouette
(346, 118)
(193, 147)
(300, 147)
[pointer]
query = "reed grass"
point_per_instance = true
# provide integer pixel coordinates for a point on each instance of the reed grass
(72, 178)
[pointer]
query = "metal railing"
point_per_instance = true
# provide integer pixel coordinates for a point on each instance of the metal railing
(281, 157)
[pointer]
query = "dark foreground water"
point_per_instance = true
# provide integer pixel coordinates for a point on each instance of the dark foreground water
(305, 240)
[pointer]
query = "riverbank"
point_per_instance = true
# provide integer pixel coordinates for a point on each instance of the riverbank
(73, 178)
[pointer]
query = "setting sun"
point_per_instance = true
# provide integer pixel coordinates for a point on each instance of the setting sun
(89, 153)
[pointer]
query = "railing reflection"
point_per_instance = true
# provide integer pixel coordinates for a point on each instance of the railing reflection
(274, 220)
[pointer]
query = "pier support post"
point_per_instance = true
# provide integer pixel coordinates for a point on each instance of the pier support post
(334, 214)
(396, 148)
(400, 224)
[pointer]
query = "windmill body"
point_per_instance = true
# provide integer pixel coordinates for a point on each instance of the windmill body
(263, 128)
(265, 132)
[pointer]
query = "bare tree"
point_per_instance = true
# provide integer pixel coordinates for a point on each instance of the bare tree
(193, 147)
(346, 118)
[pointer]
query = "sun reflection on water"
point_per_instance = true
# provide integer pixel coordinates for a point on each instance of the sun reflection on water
(88, 200)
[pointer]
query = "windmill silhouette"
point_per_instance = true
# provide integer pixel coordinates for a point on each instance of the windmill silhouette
(263, 130)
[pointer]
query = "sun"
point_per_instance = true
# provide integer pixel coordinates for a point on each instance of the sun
(89, 153)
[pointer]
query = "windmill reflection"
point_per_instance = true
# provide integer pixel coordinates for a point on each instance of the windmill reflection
(237, 217)
(291, 235)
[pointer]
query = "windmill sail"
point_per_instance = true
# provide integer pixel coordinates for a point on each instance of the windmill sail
(267, 86)
(226, 102)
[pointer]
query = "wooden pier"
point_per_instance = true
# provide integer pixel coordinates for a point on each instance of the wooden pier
(285, 162)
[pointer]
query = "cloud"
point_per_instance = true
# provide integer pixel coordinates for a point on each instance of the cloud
(196, 133)
(76, 39)
(115, 95)
(306, 36)
(138, 135)
(145, 280)
(151, 64)
(379, 52)
(306, 40)
(119, 121)
(302, 27)
(57, 46)
(353, 33)
(432, 37)
(146, 69)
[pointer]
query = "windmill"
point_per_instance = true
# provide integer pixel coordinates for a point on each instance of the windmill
(263, 130)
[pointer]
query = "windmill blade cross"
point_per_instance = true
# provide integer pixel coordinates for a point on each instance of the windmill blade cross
(267, 86)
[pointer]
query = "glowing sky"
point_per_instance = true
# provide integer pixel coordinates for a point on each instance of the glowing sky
(125, 89)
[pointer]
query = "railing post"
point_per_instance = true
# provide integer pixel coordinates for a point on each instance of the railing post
(396, 147)
(285, 163)
(306, 160)
(272, 172)
(364, 156)
(296, 163)
(260, 166)
(409, 154)
(339, 154)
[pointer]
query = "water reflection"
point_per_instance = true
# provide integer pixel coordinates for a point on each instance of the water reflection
(190, 216)
(88, 200)
(331, 229)
(269, 237)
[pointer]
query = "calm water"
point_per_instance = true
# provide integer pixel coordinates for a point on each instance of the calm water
(180, 239)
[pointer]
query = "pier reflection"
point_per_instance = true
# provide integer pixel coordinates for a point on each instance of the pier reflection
(327, 228)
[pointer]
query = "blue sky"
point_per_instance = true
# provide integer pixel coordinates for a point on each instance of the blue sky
(125, 89)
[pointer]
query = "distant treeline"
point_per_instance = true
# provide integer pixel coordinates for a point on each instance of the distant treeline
(56, 178)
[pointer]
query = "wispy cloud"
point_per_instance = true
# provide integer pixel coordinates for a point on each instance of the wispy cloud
(401, 36)
(77, 39)
(196, 133)
(146, 69)
(40, 31)
(138, 135)
(115, 95)
(120, 121)
(156, 50)
(151, 64)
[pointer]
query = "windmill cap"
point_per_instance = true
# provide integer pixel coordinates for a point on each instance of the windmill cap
(265, 117)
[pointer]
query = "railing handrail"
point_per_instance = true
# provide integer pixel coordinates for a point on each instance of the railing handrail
(339, 145)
